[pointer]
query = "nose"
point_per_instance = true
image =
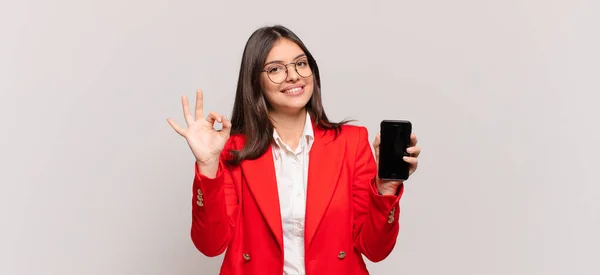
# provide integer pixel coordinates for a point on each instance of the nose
(292, 75)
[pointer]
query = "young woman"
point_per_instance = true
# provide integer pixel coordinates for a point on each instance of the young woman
(280, 187)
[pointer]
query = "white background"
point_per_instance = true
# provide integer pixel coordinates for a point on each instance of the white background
(502, 95)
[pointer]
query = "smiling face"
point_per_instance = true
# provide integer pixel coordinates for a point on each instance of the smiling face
(287, 93)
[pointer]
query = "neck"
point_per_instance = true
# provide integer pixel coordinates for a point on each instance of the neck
(289, 126)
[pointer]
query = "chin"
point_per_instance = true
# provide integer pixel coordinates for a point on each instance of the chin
(291, 107)
(297, 104)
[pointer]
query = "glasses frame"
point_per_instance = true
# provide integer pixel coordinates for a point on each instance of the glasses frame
(286, 71)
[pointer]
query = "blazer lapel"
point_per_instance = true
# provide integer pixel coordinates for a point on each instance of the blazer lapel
(326, 158)
(262, 182)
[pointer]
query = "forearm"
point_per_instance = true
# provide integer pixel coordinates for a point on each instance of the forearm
(211, 228)
(379, 229)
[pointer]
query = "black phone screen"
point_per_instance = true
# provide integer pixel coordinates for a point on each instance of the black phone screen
(395, 139)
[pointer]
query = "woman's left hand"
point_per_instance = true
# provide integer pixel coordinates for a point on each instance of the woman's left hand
(390, 187)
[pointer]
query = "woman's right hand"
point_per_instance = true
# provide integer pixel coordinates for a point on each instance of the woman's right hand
(206, 142)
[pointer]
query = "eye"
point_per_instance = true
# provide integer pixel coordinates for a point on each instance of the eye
(274, 69)
(302, 63)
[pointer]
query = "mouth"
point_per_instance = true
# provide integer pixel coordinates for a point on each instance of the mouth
(296, 90)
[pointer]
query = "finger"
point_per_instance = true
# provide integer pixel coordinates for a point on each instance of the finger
(414, 151)
(376, 144)
(186, 111)
(411, 160)
(413, 167)
(413, 139)
(176, 127)
(212, 117)
(199, 104)
(377, 141)
(226, 126)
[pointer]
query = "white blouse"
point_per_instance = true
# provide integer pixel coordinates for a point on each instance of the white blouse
(291, 169)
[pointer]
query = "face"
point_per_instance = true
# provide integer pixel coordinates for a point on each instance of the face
(287, 93)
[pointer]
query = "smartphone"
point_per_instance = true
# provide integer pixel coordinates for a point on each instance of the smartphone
(395, 139)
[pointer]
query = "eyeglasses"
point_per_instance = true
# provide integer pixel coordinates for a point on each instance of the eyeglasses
(278, 73)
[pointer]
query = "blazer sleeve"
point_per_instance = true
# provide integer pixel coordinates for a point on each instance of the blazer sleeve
(214, 210)
(376, 225)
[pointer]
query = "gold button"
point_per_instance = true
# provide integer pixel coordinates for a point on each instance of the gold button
(200, 203)
(200, 197)
(391, 215)
(246, 257)
(342, 255)
(199, 191)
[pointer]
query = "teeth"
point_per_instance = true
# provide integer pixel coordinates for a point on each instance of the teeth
(293, 90)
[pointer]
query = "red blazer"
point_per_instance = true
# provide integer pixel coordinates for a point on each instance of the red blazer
(346, 218)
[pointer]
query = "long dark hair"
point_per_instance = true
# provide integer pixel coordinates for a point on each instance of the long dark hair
(250, 109)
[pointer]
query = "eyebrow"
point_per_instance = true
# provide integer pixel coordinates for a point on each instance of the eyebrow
(279, 61)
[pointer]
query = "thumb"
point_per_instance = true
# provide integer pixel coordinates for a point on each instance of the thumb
(376, 144)
(226, 129)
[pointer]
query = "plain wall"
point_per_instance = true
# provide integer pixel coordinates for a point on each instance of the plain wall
(502, 95)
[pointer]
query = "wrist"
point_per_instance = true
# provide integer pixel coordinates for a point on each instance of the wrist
(388, 189)
(386, 192)
(209, 168)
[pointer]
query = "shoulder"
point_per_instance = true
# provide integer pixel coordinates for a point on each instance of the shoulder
(235, 142)
(232, 148)
(353, 129)
(354, 132)
(352, 135)
(356, 138)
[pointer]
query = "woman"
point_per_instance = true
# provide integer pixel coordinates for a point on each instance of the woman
(280, 187)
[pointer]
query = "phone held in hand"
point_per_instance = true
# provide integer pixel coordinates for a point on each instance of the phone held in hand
(394, 140)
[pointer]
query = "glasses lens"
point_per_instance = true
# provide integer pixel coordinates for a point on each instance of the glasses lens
(277, 73)
(303, 69)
